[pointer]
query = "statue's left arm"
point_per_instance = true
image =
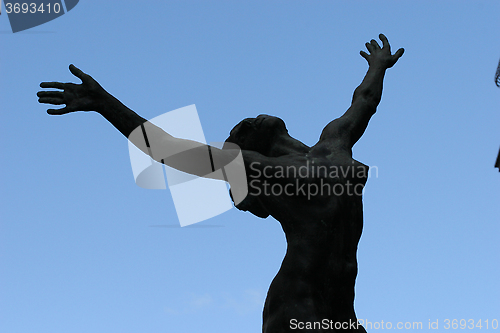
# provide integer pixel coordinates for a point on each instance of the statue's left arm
(186, 155)
(351, 126)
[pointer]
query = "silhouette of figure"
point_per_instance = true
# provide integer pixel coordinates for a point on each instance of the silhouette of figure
(314, 192)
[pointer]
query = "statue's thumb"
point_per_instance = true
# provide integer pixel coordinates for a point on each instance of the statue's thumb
(76, 71)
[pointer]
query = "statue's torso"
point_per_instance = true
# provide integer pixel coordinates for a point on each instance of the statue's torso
(323, 223)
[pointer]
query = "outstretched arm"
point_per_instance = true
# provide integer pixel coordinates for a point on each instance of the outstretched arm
(185, 155)
(351, 126)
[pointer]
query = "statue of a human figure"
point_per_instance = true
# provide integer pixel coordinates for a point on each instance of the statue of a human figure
(314, 287)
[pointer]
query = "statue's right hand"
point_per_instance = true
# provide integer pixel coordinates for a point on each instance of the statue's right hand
(87, 96)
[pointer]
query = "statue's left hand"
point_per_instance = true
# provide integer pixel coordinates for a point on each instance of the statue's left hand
(381, 56)
(87, 96)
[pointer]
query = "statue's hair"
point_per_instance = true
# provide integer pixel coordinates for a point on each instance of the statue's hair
(236, 139)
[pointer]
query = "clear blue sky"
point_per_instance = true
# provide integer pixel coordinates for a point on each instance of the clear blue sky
(83, 249)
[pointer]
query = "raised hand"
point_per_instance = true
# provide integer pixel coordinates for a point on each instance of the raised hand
(87, 96)
(381, 56)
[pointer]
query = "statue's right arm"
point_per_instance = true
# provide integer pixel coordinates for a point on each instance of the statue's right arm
(186, 155)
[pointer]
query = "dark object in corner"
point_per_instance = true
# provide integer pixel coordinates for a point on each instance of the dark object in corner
(497, 75)
(497, 163)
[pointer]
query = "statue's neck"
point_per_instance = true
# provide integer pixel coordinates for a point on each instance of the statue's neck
(286, 145)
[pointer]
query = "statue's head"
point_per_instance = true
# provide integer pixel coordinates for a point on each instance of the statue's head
(258, 134)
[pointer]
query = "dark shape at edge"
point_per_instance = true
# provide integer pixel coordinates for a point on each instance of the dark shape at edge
(497, 75)
(497, 163)
(70, 4)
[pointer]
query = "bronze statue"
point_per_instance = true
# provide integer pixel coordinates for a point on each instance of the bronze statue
(314, 192)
